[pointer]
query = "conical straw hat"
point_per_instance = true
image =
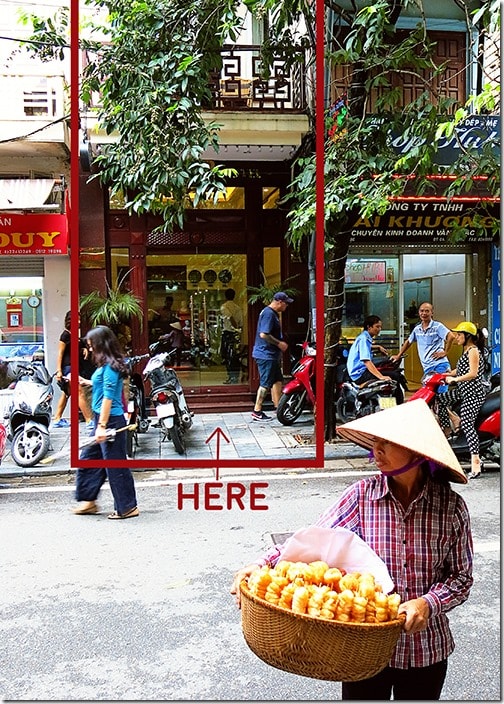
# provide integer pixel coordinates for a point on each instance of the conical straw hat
(411, 425)
(176, 325)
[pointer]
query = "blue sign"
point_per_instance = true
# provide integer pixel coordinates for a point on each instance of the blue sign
(496, 309)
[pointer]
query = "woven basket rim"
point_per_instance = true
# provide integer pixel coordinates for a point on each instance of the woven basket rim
(309, 619)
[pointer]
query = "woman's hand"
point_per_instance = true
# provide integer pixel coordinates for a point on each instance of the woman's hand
(450, 380)
(100, 434)
(238, 578)
(417, 614)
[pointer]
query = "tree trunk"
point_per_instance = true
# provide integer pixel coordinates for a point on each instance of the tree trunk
(335, 278)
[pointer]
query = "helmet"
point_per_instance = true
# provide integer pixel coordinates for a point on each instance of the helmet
(466, 327)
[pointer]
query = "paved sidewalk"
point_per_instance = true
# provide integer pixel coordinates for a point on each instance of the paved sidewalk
(248, 440)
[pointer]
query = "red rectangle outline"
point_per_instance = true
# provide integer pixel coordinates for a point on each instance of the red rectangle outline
(318, 460)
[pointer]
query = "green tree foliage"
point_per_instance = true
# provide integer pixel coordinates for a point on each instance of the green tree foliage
(152, 78)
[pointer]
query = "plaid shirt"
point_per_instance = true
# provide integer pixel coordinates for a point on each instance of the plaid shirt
(427, 548)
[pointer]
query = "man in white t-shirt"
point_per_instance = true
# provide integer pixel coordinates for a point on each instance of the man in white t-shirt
(232, 324)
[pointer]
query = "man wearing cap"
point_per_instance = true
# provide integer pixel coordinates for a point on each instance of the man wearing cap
(433, 342)
(267, 352)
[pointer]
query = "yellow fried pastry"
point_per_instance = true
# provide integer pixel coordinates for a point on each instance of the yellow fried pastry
(332, 577)
(300, 600)
(258, 581)
(394, 601)
(318, 569)
(350, 581)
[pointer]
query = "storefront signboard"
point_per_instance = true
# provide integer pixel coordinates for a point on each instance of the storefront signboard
(33, 234)
(430, 222)
(496, 310)
(359, 271)
(471, 134)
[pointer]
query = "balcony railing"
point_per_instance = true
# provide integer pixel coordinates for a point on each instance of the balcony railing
(240, 84)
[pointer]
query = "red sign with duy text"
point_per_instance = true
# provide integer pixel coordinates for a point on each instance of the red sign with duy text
(34, 233)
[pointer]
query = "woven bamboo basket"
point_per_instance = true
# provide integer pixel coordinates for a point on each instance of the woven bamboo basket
(315, 647)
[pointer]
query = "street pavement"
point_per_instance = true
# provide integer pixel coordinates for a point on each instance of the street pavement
(241, 439)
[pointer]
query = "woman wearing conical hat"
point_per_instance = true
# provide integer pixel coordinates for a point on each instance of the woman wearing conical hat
(419, 526)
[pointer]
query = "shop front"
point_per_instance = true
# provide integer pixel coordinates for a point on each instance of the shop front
(34, 283)
(408, 256)
(186, 277)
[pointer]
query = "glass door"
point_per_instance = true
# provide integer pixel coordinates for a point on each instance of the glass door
(197, 305)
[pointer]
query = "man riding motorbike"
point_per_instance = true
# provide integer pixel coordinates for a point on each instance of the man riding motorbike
(360, 365)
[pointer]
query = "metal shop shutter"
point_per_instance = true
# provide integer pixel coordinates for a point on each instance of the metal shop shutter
(21, 266)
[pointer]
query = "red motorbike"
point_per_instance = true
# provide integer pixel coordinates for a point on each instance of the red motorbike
(487, 422)
(299, 392)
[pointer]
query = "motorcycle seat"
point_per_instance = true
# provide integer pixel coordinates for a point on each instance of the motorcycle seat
(490, 405)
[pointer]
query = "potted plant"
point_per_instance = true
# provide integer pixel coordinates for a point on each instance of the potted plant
(264, 293)
(115, 309)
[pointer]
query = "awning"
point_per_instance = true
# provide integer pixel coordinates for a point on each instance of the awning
(26, 193)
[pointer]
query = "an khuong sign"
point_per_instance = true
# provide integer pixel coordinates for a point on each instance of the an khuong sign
(428, 222)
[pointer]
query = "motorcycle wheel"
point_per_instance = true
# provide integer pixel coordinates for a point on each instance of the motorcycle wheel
(177, 438)
(344, 410)
(290, 407)
(27, 449)
(131, 443)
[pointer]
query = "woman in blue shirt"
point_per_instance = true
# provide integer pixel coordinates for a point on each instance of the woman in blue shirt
(108, 411)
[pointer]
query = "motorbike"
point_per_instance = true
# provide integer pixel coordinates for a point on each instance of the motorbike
(29, 414)
(136, 413)
(167, 395)
(299, 392)
(355, 401)
(487, 422)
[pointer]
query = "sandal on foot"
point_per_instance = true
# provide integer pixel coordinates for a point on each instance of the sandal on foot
(85, 508)
(129, 514)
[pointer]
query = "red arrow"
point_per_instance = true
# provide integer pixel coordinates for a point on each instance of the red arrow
(217, 432)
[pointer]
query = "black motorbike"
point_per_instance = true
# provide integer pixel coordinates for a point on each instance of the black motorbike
(29, 414)
(167, 396)
(355, 401)
(136, 413)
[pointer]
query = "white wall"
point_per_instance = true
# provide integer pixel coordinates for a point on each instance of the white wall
(56, 301)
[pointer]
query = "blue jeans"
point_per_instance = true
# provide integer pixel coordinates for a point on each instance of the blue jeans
(90, 480)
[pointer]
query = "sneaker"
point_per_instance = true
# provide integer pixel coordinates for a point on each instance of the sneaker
(260, 415)
(61, 423)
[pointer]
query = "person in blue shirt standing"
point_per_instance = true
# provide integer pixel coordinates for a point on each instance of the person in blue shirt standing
(267, 352)
(108, 408)
(433, 341)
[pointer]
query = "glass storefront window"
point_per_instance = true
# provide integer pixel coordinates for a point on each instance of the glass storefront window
(270, 197)
(21, 319)
(371, 288)
(233, 198)
(189, 291)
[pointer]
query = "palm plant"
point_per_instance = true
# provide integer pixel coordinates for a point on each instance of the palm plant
(116, 308)
(264, 293)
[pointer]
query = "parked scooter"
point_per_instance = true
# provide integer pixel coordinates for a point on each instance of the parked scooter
(168, 398)
(487, 422)
(299, 392)
(29, 414)
(136, 414)
(355, 401)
